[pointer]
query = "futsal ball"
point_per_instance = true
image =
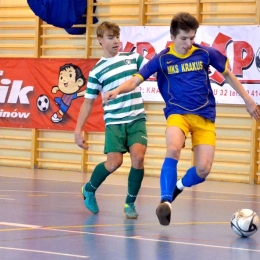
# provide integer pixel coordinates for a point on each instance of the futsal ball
(43, 103)
(245, 222)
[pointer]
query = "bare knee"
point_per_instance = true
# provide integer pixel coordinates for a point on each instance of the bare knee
(204, 155)
(137, 153)
(173, 152)
(203, 170)
(138, 160)
(113, 165)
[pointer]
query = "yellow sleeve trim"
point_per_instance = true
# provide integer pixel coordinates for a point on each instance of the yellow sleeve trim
(226, 67)
(138, 75)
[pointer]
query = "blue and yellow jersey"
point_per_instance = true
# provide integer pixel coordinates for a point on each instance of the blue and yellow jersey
(183, 80)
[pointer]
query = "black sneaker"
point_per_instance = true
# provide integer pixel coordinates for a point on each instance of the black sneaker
(163, 213)
(176, 193)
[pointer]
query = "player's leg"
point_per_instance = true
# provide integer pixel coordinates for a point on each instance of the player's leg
(204, 155)
(176, 133)
(137, 142)
(101, 171)
(175, 139)
(203, 143)
(114, 150)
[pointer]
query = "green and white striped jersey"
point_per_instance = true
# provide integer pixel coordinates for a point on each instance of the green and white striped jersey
(108, 74)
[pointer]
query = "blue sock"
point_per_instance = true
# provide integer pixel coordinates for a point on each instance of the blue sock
(168, 178)
(191, 178)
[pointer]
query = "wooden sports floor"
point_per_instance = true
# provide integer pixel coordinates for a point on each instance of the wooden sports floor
(42, 216)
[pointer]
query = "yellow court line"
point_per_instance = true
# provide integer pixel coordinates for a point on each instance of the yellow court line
(122, 195)
(37, 195)
(107, 225)
(150, 224)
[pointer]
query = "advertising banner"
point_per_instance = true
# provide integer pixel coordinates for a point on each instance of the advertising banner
(238, 43)
(46, 93)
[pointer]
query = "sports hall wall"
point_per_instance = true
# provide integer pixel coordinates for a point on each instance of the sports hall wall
(24, 35)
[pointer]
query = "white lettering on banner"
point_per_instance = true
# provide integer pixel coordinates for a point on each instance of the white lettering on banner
(150, 92)
(4, 89)
(16, 91)
(14, 114)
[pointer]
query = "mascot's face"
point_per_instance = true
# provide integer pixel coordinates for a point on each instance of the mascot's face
(67, 81)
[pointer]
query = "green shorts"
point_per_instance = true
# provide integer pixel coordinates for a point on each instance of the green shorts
(119, 137)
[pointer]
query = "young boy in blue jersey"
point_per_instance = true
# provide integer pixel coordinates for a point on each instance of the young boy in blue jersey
(125, 119)
(183, 81)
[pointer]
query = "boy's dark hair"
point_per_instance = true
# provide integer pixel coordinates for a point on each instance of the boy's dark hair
(183, 21)
(77, 69)
(108, 26)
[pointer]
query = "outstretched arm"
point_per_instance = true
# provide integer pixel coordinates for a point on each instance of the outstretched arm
(127, 86)
(84, 113)
(54, 89)
(251, 106)
(81, 93)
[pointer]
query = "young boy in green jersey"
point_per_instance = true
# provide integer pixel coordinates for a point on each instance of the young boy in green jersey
(125, 118)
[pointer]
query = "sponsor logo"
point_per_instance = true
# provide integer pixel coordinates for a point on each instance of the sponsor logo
(16, 93)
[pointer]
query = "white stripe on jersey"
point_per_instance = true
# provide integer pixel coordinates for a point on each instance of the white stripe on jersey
(133, 101)
(133, 113)
(104, 72)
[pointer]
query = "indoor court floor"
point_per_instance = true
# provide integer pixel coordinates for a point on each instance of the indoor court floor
(42, 216)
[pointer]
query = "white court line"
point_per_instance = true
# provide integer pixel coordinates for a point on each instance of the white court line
(42, 252)
(155, 240)
(30, 250)
(116, 236)
(19, 225)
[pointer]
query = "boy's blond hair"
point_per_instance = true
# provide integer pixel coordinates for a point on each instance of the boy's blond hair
(108, 26)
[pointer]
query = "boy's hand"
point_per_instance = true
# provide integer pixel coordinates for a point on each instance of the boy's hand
(54, 89)
(80, 141)
(253, 109)
(109, 96)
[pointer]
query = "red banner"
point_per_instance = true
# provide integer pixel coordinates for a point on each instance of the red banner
(46, 94)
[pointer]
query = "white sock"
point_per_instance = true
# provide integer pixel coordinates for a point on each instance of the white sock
(169, 204)
(179, 185)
